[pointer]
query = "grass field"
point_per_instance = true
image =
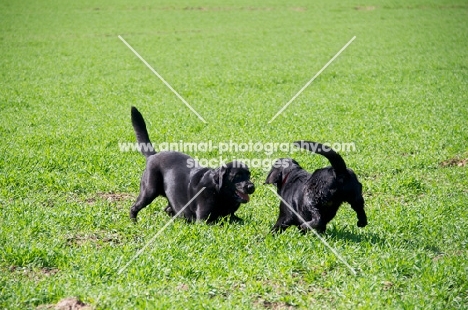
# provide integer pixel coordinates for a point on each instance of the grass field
(399, 92)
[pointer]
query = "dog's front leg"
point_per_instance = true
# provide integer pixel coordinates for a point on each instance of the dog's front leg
(169, 210)
(203, 214)
(283, 222)
(278, 228)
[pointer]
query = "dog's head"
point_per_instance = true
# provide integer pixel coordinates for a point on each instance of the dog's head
(233, 179)
(280, 170)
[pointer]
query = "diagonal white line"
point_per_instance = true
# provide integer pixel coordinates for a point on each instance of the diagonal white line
(159, 232)
(316, 233)
(311, 80)
(163, 80)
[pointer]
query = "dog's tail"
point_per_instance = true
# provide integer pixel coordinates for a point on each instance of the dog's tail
(144, 143)
(334, 158)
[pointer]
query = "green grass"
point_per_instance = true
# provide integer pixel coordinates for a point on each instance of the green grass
(399, 92)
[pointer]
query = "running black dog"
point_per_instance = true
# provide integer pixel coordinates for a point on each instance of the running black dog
(312, 200)
(180, 179)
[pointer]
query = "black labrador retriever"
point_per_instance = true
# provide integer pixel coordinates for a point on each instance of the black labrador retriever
(315, 198)
(179, 178)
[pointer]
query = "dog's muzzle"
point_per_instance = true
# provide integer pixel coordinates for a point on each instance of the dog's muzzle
(244, 194)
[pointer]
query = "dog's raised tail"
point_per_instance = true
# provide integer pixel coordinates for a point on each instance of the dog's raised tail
(334, 158)
(139, 125)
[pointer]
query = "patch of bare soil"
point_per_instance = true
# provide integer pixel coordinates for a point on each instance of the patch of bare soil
(94, 238)
(70, 303)
(298, 9)
(365, 8)
(275, 305)
(110, 197)
(387, 285)
(201, 8)
(34, 274)
(454, 162)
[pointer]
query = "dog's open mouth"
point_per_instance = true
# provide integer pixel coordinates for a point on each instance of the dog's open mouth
(242, 197)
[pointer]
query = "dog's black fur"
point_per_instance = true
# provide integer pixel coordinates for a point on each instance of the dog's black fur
(179, 178)
(315, 197)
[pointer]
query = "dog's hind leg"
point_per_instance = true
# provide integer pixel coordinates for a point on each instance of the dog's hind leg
(148, 192)
(315, 223)
(141, 202)
(358, 207)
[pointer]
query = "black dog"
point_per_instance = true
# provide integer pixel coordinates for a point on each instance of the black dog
(179, 178)
(315, 197)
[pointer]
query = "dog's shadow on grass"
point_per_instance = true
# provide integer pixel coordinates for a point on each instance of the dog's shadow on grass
(374, 239)
(346, 234)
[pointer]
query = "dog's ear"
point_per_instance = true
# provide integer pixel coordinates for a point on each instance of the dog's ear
(295, 163)
(274, 177)
(219, 176)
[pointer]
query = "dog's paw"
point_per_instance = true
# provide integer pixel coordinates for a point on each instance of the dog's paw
(362, 223)
(235, 219)
(170, 211)
(308, 226)
(277, 229)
